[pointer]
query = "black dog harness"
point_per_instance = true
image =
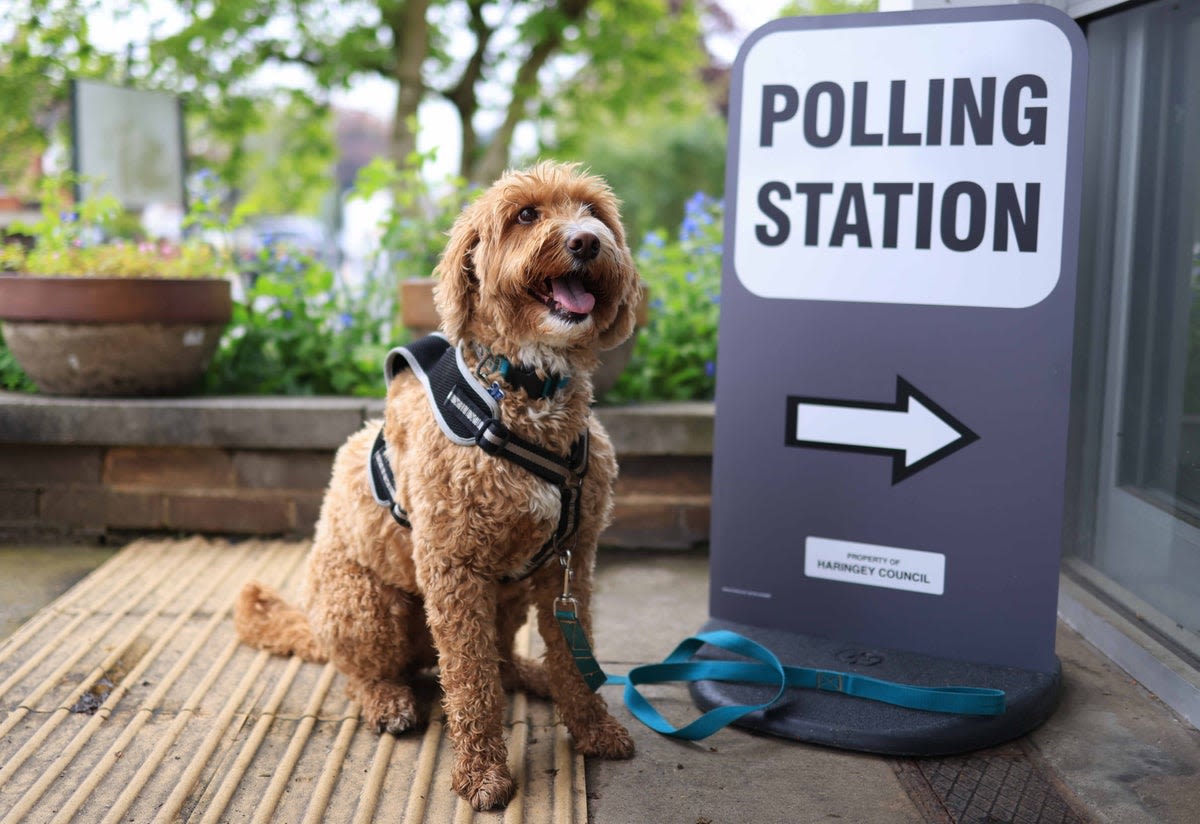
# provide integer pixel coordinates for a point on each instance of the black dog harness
(467, 414)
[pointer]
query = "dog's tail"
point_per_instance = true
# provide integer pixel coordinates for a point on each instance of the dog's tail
(265, 621)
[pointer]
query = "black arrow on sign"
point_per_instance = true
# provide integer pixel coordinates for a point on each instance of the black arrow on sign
(913, 430)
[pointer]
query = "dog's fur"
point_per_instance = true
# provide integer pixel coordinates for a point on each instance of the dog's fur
(382, 602)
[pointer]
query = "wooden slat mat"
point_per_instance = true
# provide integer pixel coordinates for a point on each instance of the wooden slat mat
(129, 699)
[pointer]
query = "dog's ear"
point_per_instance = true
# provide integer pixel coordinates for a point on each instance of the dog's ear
(454, 294)
(626, 318)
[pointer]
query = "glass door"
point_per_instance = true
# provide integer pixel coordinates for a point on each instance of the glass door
(1138, 534)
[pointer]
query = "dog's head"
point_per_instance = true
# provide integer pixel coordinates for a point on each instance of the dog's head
(538, 265)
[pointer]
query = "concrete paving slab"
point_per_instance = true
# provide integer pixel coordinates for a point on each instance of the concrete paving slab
(1111, 753)
(33, 576)
(645, 604)
(1125, 754)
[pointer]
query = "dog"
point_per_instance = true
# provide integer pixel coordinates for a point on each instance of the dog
(536, 274)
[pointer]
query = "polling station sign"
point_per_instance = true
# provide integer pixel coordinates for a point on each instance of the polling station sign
(893, 178)
(894, 372)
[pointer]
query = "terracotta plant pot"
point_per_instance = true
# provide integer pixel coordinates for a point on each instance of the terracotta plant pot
(417, 312)
(419, 315)
(113, 336)
(614, 361)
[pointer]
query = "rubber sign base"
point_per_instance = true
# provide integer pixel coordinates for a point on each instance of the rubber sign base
(850, 723)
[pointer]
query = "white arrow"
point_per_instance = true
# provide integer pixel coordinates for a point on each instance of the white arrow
(914, 430)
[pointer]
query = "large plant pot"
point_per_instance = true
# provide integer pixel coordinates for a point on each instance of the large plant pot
(113, 336)
(419, 315)
(614, 361)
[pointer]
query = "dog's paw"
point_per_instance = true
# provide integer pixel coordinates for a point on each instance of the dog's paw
(486, 788)
(527, 676)
(396, 722)
(387, 707)
(607, 739)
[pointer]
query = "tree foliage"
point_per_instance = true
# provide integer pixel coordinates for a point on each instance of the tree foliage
(646, 112)
(803, 7)
(497, 63)
(43, 43)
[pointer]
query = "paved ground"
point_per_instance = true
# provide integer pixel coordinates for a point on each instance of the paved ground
(1111, 753)
(31, 577)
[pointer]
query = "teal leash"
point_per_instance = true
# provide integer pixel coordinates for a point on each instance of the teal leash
(762, 668)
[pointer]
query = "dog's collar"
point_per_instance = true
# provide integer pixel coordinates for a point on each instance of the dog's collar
(520, 377)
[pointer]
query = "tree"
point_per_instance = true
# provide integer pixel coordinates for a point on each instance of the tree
(498, 63)
(492, 60)
(660, 137)
(802, 7)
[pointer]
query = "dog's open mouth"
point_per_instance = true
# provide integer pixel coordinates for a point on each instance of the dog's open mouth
(566, 296)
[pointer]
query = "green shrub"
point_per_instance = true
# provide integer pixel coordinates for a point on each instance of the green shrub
(294, 333)
(12, 376)
(675, 355)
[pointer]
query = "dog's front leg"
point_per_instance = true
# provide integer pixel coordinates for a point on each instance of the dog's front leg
(595, 731)
(461, 610)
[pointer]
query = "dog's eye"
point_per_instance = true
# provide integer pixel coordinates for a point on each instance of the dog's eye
(590, 208)
(527, 215)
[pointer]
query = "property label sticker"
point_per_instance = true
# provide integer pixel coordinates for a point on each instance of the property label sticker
(874, 565)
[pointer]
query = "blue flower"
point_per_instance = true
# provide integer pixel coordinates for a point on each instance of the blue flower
(689, 228)
(69, 217)
(653, 239)
(657, 304)
(710, 368)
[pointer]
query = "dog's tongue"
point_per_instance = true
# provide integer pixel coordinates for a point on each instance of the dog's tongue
(571, 294)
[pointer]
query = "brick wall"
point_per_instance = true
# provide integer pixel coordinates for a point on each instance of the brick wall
(90, 490)
(72, 469)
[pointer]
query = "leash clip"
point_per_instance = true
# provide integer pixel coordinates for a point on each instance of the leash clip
(566, 602)
(488, 364)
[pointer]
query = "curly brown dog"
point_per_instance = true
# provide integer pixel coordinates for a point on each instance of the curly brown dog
(537, 271)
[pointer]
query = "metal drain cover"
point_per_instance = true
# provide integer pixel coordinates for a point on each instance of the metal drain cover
(1005, 785)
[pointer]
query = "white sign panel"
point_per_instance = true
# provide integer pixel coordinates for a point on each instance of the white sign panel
(896, 181)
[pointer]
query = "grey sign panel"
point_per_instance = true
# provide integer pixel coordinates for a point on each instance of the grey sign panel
(902, 208)
(128, 143)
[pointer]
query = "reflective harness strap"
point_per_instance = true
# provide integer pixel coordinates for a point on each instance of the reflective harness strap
(383, 482)
(468, 415)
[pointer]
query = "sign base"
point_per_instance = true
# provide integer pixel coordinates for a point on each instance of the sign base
(849, 723)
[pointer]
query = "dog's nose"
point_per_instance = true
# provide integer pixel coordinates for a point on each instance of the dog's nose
(583, 245)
